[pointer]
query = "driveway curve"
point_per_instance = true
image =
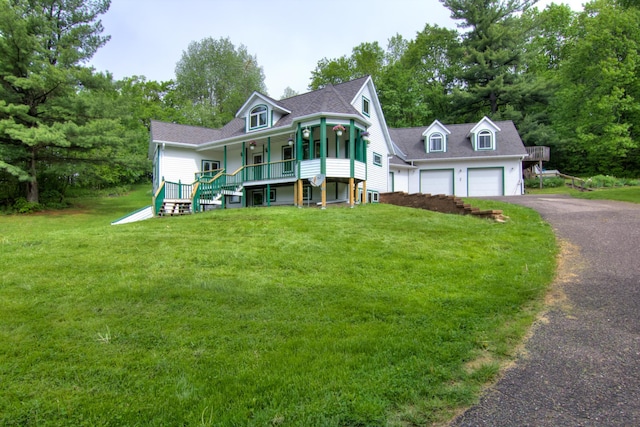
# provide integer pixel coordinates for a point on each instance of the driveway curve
(581, 365)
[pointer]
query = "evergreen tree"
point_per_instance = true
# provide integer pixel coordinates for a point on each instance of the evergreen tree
(45, 117)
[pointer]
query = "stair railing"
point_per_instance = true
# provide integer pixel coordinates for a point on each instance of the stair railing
(210, 189)
(158, 199)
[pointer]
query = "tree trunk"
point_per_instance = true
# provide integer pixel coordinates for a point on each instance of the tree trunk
(32, 185)
(493, 98)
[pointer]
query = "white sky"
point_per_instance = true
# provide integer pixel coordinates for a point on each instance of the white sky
(288, 37)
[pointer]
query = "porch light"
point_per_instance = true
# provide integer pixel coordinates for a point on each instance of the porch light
(290, 141)
(252, 145)
(306, 132)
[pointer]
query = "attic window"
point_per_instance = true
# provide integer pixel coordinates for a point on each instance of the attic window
(258, 117)
(484, 140)
(435, 142)
(366, 105)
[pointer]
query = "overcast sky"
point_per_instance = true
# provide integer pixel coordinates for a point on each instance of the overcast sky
(288, 37)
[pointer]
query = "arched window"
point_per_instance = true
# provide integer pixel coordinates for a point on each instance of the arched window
(258, 117)
(484, 140)
(435, 142)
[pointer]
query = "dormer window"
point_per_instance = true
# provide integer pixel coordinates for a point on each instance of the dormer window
(436, 143)
(258, 117)
(484, 140)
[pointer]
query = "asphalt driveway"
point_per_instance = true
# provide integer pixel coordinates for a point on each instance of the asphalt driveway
(581, 366)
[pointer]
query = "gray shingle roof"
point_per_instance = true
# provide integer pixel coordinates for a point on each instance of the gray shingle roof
(171, 132)
(330, 99)
(411, 142)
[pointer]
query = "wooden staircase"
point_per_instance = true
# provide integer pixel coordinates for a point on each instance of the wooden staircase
(175, 207)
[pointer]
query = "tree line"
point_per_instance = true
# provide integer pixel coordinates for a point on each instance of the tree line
(569, 80)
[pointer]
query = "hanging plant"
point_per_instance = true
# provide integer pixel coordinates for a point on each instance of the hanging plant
(338, 129)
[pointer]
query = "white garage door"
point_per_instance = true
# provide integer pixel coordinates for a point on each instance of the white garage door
(436, 182)
(486, 182)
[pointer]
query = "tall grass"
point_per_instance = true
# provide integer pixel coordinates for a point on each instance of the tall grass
(378, 315)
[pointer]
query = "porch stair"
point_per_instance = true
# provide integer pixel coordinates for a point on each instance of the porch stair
(175, 207)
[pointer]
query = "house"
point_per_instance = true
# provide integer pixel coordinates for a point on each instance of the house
(327, 146)
(465, 160)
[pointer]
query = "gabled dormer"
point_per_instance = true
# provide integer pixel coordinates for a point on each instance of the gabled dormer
(436, 137)
(261, 112)
(484, 135)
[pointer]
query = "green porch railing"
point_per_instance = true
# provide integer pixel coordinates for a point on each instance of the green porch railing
(158, 199)
(210, 189)
(171, 190)
(210, 185)
(275, 170)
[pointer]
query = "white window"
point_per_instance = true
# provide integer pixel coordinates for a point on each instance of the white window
(258, 117)
(377, 159)
(366, 105)
(435, 142)
(484, 140)
(210, 167)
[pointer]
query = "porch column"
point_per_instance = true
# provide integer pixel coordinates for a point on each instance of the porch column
(224, 165)
(364, 192)
(323, 160)
(298, 148)
(243, 155)
(351, 188)
(268, 195)
(300, 193)
(269, 157)
(352, 148)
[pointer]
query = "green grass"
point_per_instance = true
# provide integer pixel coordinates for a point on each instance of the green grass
(377, 315)
(622, 194)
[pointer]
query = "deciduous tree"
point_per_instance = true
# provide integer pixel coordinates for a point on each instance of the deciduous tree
(214, 79)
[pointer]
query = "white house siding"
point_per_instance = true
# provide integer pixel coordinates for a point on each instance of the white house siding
(512, 177)
(400, 180)
(309, 168)
(376, 176)
(338, 168)
(178, 164)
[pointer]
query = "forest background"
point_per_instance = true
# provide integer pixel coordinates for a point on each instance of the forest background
(569, 80)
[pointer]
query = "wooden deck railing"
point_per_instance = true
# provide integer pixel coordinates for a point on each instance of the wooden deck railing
(538, 153)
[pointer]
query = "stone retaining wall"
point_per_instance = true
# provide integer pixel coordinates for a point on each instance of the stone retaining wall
(438, 203)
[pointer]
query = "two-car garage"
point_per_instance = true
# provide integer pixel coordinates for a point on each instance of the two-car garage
(487, 181)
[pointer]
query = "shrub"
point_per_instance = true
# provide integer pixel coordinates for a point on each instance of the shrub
(22, 206)
(548, 182)
(600, 181)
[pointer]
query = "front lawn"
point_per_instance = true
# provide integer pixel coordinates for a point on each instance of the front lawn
(378, 315)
